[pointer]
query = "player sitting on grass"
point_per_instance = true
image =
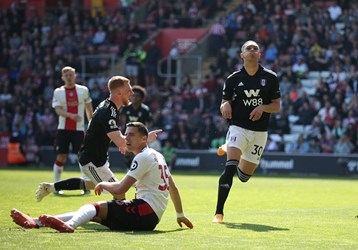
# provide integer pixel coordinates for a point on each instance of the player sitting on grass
(154, 184)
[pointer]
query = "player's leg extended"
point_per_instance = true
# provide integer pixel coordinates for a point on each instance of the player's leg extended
(45, 188)
(225, 181)
(83, 215)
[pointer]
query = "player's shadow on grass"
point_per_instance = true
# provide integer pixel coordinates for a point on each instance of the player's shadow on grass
(253, 227)
(90, 227)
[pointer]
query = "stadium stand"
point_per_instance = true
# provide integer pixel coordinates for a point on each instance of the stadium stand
(33, 48)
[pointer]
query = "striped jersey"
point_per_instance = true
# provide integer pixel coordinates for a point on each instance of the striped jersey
(74, 101)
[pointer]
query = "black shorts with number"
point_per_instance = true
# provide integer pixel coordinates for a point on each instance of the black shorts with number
(130, 215)
(66, 137)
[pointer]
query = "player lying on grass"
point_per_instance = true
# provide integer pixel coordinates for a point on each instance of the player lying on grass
(154, 184)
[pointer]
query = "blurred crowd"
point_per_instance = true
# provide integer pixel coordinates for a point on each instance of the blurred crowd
(296, 37)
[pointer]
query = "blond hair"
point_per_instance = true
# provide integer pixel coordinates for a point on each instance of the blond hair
(117, 82)
(66, 69)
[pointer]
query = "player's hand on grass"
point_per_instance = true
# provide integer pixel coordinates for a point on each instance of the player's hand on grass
(186, 221)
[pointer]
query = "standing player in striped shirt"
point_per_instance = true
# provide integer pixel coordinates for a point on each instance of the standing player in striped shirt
(250, 95)
(70, 102)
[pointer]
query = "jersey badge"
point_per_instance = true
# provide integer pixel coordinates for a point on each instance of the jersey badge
(240, 84)
(134, 166)
(263, 82)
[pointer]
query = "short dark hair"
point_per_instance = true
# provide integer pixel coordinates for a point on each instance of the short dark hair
(140, 126)
(139, 89)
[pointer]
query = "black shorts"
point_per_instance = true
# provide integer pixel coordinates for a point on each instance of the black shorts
(66, 137)
(130, 215)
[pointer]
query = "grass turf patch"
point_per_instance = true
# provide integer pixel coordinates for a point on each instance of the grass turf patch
(265, 213)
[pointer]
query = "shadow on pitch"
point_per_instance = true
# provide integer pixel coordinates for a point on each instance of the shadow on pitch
(90, 227)
(253, 227)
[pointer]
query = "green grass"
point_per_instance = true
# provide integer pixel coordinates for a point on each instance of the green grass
(268, 212)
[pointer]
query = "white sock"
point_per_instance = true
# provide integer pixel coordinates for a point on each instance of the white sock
(57, 171)
(65, 217)
(51, 188)
(83, 215)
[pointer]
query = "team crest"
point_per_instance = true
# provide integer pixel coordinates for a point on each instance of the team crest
(263, 82)
(134, 165)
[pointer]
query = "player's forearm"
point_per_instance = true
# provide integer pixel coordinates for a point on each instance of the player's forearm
(61, 112)
(89, 111)
(117, 138)
(175, 197)
(112, 187)
(271, 107)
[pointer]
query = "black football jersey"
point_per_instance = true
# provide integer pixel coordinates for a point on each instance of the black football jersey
(142, 114)
(247, 92)
(96, 142)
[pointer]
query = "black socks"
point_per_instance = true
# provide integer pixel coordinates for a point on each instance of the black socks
(225, 183)
(70, 184)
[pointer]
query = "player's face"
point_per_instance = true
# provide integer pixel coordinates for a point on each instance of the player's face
(136, 97)
(135, 142)
(251, 52)
(69, 77)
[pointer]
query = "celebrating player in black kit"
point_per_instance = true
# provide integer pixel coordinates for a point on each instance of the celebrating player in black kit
(136, 111)
(102, 129)
(249, 96)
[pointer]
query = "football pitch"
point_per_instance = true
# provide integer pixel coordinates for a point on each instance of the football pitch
(268, 212)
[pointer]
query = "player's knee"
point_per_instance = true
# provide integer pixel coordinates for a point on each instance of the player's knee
(243, 177)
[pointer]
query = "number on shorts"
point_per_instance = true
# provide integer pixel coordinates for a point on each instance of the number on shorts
(258, 150)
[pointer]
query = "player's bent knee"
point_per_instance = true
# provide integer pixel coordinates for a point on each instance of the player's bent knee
(243, 177)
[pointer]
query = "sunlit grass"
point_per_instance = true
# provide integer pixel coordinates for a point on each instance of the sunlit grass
(265, 213)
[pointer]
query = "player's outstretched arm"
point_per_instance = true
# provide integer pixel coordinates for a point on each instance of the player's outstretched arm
(152, 136)
(175, 197)
(118, 138)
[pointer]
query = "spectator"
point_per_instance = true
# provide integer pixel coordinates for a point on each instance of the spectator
(169, 153)
(335, 11)
(343, 146)
(306, 114)
(153, 55)
(300, 68)
(133, 60)
(217, 36)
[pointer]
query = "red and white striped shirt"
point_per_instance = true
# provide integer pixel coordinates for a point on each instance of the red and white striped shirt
(74, 101)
